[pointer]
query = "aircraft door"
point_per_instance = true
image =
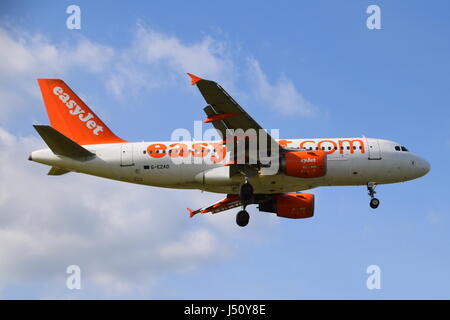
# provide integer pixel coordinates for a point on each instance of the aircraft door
(374, 149)
(126, 155)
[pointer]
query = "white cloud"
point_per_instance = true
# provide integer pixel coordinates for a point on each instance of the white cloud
(191, 249)
(207, 57)
(119, 234)
(93, 56)
(23, 54)
(281, 96)
(155, 59)
(25, 57)
(124, 237)
(152, 60)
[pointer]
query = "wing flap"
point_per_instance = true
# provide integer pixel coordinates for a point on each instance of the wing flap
(223, 103)
(231, 201)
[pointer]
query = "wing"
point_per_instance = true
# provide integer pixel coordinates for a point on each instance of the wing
(231, 201)
(225, 113)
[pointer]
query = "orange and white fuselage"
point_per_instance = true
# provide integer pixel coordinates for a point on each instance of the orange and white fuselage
(356, 161)
(79, 141)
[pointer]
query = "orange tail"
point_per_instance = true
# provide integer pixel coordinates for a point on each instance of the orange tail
(71, 116)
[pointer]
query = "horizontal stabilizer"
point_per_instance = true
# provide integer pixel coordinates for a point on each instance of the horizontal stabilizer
(54, 171)
(61, 145)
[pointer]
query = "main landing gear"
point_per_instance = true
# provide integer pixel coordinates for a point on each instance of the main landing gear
(242, 218)
(374, 202)
(246, 194)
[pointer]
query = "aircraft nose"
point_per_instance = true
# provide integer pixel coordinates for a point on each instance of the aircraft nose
(423, 166)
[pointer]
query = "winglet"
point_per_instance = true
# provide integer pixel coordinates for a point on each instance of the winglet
(191, 212)
(194, 78)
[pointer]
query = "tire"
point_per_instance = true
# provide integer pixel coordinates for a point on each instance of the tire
(246, 192)
(374, 203)
(242, 218)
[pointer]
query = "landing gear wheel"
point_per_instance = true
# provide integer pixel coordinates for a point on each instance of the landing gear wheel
(242, 218)
(374, 203)
(246, 191)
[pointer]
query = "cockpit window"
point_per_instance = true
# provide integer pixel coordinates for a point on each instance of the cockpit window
(401, 148)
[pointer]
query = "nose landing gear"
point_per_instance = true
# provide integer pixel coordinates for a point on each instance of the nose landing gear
(374, 202)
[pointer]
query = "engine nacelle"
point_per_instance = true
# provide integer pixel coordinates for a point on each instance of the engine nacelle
(290, 205)
(304, 163)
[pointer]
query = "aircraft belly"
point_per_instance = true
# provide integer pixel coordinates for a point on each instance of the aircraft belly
(338, 171)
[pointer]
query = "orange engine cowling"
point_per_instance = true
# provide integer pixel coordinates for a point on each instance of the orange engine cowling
(290, 205)
(304, 164)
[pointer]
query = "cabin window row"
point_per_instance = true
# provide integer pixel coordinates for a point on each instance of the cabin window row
(335, 148)
(310, 148)
(180, 151)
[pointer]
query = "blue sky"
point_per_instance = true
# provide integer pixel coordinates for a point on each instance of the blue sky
(390, 83)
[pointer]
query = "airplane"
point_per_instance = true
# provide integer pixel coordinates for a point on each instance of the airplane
(79, 141)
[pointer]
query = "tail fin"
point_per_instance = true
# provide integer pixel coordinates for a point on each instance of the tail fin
(69, 115)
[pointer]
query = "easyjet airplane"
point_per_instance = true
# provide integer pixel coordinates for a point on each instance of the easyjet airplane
(79, 141)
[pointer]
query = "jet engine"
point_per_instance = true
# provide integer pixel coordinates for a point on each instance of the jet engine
(290, 205)
(304, 163)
